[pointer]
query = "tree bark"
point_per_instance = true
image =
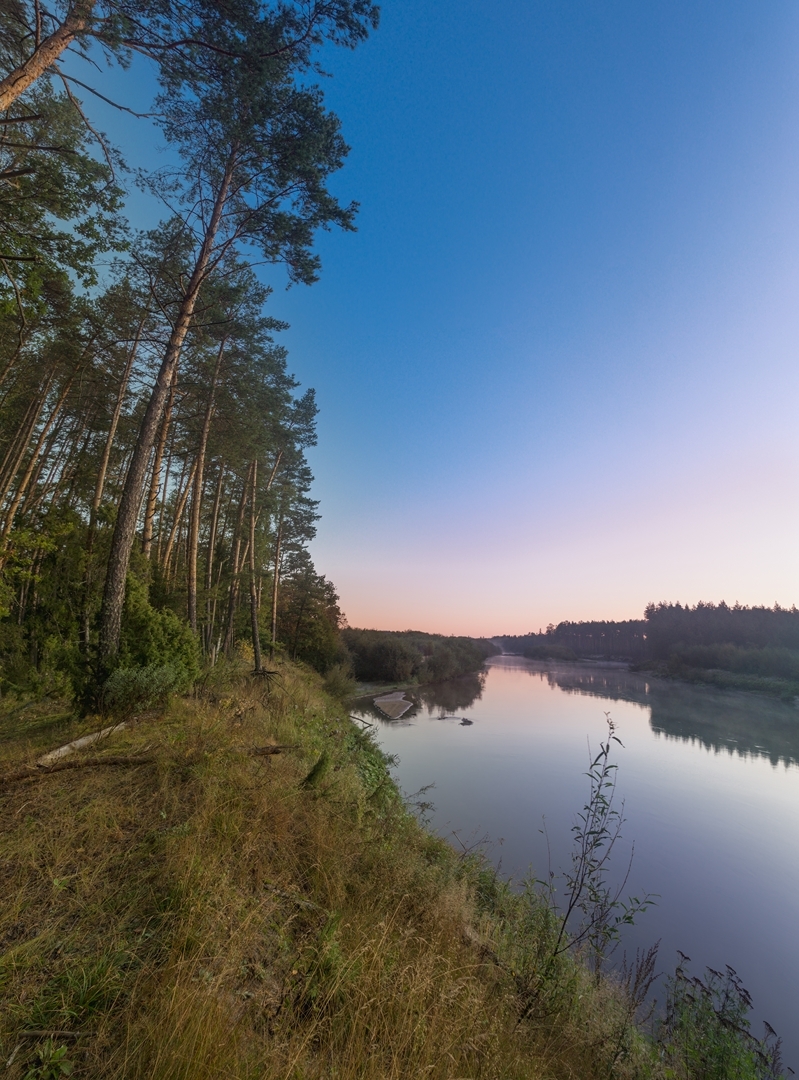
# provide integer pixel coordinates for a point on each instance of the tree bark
(23, 484)
(112, 431)
(275, 578)
(193, 539)
(45, 55)
(130, 505)
(155, 483)
(180, 507)
(15, 454)
(256, 634)
(236, 567)
(209, 566)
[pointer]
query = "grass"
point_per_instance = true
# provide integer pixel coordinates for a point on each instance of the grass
(208, 912)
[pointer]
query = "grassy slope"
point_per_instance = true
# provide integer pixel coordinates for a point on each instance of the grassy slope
(210, 913)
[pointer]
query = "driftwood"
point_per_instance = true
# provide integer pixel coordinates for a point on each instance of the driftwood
(265, 751)
(78, 744)
(38, 772)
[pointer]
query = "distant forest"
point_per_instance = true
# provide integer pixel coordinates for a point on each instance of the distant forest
(412, 656)
(756, 643)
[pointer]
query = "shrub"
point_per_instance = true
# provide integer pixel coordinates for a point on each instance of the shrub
(157, 639)
(131, 690)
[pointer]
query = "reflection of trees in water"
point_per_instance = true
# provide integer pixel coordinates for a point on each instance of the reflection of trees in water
(436, 699)
(719, 720)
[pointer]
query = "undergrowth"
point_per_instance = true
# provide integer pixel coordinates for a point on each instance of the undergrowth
(204, 907)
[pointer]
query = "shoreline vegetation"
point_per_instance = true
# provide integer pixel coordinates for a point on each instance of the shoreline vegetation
(232, 886)
(733, 648)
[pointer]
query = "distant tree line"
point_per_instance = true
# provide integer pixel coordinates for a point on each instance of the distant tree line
(413, 656)
(757, 641)
(571, 640)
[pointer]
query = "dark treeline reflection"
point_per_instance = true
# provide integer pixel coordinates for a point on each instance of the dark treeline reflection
(433, 699)
(719, 720)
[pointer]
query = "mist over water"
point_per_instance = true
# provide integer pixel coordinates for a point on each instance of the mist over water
(710, 783)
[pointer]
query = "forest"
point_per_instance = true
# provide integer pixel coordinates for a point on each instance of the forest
(155, 507)
(757, 642)
(413, 656)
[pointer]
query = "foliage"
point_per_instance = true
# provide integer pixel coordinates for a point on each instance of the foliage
(81, 349)
(705, 1031)
(410, 655)
(52, 1064)
(130, 690)
(756, 644)
(157, 640)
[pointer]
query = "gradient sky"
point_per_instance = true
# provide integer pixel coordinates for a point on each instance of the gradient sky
(557, 364)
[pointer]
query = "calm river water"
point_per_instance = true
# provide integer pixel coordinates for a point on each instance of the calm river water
(710, 782)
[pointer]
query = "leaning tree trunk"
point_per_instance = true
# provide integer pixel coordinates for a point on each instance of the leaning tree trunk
(197, 495)
(45, 54)
(34, 458)
(130, 505)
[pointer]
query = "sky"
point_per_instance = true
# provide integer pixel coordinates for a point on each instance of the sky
(557, 364)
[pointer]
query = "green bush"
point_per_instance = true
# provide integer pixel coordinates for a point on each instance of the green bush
(130, 690)
(705, 1032)
(339, 682)
(157, 639)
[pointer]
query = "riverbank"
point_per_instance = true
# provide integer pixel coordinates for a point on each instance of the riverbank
(235, 889)
(784, 689)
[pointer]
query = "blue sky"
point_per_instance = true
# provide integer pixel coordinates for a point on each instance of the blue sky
(557, 364)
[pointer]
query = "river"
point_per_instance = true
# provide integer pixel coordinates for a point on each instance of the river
(709, 781)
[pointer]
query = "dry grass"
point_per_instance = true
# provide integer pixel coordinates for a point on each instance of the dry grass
(210, 913)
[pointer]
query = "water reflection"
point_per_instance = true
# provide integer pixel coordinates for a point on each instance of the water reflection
(746, 724)
(446, 701)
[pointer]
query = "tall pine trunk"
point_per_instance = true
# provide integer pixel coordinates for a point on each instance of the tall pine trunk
(155, 481)
(210, 605)
(275, 583)
(130, 505)
(196, 498)
(256, 634)
(233, 595)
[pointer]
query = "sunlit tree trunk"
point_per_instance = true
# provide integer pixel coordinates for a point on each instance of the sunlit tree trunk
(155, 482)
(275, 582)
(210, 607)
(112, 431)
(196, 498)
(233, 595)
(256, 635)
(45, 54)
(15, 453)
(130, 504)
(33, 461)
(180, 507)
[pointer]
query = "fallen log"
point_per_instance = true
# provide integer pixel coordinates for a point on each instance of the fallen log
(78, 744)
(38, 772)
